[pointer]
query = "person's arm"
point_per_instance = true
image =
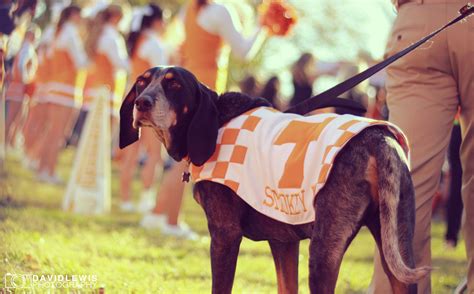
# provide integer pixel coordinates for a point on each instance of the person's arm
(3, 49)
(220, 20)
(28, 64)
(75, 46)
(22, 63)
(181, 16)
(113, 46)
(154, 53)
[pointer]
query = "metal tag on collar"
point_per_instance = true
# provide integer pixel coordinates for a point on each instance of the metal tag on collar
(185, 177)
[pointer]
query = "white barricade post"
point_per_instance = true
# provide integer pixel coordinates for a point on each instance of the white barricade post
(3, 47)
(2, 128)
(88, 190)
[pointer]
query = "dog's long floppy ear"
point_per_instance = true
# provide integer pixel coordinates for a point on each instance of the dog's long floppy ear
(203, 128)
(128, 134)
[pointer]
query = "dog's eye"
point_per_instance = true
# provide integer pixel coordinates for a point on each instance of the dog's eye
(140, 85)
(173, 84)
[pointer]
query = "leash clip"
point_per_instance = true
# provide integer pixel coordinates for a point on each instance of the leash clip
(467, 9)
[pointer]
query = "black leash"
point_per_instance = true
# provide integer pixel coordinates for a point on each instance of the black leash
(328, 97)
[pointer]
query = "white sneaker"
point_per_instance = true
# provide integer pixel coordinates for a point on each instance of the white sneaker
(19, 143)
(127, 206)
(180, 231)
(30, 164)
(153, 221)
(45, 177)
(12, 150)
(55, 180)
(25, 162)
(147, 201)
(34, 164)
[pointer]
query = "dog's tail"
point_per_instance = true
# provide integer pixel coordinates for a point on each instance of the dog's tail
(396, 200)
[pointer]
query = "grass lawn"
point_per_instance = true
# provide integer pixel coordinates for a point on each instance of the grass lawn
(36, 236)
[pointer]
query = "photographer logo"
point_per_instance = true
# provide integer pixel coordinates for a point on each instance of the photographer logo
(14, 281)
(49, 281)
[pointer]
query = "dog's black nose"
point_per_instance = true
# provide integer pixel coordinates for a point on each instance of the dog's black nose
(144, 103)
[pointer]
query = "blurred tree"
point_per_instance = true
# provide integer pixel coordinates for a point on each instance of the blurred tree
(324, 28)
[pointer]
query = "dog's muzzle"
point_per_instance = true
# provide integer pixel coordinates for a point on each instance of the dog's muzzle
(143, 106)
(143, 103)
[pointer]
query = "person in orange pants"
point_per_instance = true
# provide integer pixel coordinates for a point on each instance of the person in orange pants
(210, 32)
(36, 119)
(24, 68)
(67, 58)
(146, 51)
(106, 48)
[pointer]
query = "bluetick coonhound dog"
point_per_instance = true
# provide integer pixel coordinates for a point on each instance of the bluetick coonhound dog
(369, 185)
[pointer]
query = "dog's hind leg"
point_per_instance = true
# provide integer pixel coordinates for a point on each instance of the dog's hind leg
(340, 206)
(285, 256)
(338, 219)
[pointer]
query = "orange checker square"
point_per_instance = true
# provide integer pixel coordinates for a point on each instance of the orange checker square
(232, 184)
(229, 137)
(348, 124)
(215, 154)
(344, 138)
(238, 154)
(220, 170)
(326, 152)
(251, 123)
(196, 171)
(272, 109)
(324, 173)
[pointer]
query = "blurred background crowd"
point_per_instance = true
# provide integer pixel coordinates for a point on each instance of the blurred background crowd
(57, 63)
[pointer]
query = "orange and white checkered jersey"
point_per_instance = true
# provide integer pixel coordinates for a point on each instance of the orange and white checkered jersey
(277, 162)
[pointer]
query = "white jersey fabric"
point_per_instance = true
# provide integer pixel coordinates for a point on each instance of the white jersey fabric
(278, 162)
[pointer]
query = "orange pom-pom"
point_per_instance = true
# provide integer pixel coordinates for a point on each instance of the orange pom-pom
(278, 16)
